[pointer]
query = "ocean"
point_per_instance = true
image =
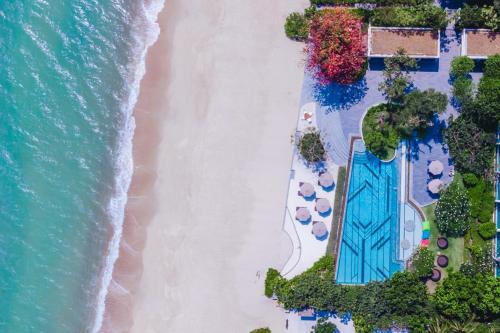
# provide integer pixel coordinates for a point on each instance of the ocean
(69, 77)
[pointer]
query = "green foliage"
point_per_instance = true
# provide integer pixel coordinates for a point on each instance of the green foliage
(377, 2)
(463, 90)
(379, 135)
(273, 278)
(461, 66)
(396, 76)
(481, 259)
(469, 179)
(474, 17)
(323, 326)
(423, 16)
(460, 297)
(419, 108)
(310, 146)
(423, 262)
(453, 210)
(482, 200)
(297, 26)
(492, 67)
(471, 147)
(487, 230)
(261, 330)
(487, 106)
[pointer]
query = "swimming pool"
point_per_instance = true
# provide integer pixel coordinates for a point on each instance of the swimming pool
(368, 248)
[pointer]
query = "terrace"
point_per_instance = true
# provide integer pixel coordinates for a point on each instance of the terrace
(480, 43)
(418, 42)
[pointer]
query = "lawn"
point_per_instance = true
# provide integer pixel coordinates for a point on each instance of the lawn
(455, 250)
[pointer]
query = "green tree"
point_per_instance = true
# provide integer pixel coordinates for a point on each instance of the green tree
(261, 330)
(470, 146)
(453, 210)
(423, 262)
(273, 278)
(461, 66)
(297, 26)
(456, 297)
(419, 108)
(396, 76)
(324, 326)
(311, 147)
(487, 230)
(492, 67)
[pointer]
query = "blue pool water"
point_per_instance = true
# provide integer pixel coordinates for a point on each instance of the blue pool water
(368, 249)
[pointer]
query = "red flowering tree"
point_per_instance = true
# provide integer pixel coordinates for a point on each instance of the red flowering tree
(337, 46)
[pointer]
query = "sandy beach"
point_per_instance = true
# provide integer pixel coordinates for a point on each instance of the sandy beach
(212, 153)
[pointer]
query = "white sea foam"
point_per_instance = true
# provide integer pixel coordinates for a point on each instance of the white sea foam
(146, 37)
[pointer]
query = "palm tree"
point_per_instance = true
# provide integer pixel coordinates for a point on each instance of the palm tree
(439, 325)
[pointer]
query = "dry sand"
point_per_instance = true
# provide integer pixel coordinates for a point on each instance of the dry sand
(212, 152)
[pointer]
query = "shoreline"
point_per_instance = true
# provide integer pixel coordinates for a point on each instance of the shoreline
(163, 275)
(141, 204)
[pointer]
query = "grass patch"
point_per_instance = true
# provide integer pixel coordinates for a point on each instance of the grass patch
(380, 137)
(455, 250)
(339, 195)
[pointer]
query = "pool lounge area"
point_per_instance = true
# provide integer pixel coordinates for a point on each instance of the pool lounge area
(369, 246)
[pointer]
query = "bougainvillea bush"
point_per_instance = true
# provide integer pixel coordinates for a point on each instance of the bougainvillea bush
(337, 46)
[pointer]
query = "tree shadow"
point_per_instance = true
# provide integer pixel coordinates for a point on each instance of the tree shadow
(451, 4)
(433, 135)
(336, 96)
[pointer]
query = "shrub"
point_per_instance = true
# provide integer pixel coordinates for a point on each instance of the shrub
(463, 90)
(423, 262)
(272, 279)
(487, 230)
(377, 2)
(492, 67)
(311, 148)
(297, 27)
(453, 210)
(337, 47)
(424, 16)
(469, 179)
(461, 66)
(261, 330)
(481, 259)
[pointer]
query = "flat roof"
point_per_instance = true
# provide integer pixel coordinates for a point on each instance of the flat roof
(418, 42)
(480, 43)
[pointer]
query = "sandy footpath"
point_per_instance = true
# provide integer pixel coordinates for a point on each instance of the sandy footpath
(212, 152)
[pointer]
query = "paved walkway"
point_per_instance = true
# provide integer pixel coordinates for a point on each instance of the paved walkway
(340, 109)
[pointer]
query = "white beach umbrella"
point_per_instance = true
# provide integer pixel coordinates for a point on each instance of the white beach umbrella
(405, 244)
(435, 186)
(319, 229)
(306, 189)
(326, 179)
(322, 205)
(409, 225)
(302, 214)
(436, 168)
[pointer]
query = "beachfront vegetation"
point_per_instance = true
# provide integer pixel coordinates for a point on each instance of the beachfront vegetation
(461, 66)
(379, 136)
(261, 330)
(310, 146)
(428, 16)
(297, 26)
(423, 262)
(453, 210)
(323, 326)
(271, 280)
(401, 301)
(337, 50)
(474, 17)
(396, 75)
(376, 2)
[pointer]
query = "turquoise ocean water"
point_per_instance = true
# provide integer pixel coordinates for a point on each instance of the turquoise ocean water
(69, 71)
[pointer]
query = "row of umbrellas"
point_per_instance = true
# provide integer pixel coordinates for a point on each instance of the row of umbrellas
(322, 206)
(325, 180)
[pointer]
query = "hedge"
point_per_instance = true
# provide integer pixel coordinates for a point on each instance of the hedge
(375, 2)
(421, 17)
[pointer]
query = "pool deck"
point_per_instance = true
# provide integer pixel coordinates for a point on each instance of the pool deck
(340, 109)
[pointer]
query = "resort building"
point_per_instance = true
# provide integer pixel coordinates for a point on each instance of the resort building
(480, 43)
(419, 43)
